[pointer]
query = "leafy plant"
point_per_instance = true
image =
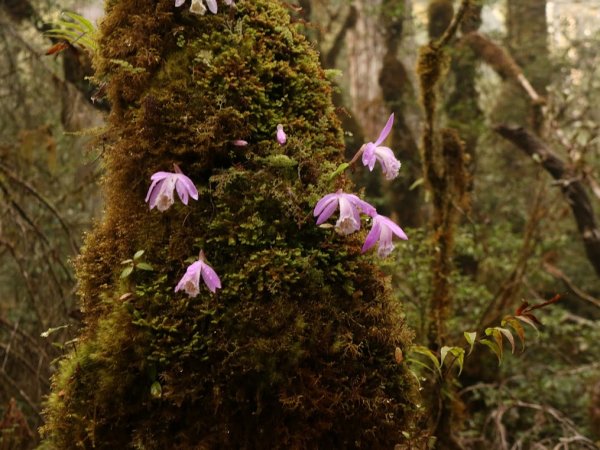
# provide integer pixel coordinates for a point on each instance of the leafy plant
(494, 341)
(135, 263)
(75, 30)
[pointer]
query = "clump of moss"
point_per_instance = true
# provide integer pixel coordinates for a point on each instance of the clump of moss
(297, 349)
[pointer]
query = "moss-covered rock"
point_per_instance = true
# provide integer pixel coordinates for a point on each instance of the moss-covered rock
(297, 349)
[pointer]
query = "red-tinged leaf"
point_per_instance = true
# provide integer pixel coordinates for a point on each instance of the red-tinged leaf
(494, 347)
(532, 318)
(508, 335)
(515, 325)
(57, 48)
(529, 322)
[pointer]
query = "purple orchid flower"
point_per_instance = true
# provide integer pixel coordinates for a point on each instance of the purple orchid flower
(190, 282)
(383, 230)
(374, 152)
(350, 208)
(240, 143)
(281, 136)
(164, 184)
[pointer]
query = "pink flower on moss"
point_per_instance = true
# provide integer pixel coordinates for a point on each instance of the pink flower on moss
(374, 152)
(383, 230)
(190, 282)
(161, 192)
(281, 136)
(350, 208)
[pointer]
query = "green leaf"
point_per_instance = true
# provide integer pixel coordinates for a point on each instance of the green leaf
(156, 390)
(426, 352)
(86, 24)
(470, 337)
(50, 331)
(138, 254)
(494, 347)
(126, 272)
(144, 266)
(127, 261)
(339, 170)
(459, 354)
(418, 182)
(495, 333)
(443, 352)
(420, 364)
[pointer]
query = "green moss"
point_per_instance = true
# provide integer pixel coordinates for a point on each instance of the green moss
(296, 350)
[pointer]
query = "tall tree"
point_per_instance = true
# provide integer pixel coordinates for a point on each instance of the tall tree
(297, 348)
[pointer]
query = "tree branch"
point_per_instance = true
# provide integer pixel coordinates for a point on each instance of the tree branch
(573, 189)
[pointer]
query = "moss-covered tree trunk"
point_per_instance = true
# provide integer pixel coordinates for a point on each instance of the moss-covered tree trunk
(297, 348)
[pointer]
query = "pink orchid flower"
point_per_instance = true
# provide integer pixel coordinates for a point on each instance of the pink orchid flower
(383, 230)
(161, 192)
(350, 208)
(374, 152)
(190, 282)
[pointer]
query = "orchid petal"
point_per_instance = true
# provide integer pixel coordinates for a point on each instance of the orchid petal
(160, 176)
(190, 187)
(210, 277)
(372, 237)
(182, 191)
(327, 211)
(386, 130)
(151, 189)
(394, 228)
(212, 6)
(321, 204)
(365, 207)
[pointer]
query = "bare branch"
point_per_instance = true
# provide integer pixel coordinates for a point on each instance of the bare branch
(572, 188)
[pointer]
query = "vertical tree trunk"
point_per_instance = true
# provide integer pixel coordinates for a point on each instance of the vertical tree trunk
(297, 349)
(399, 97)
(527, 42)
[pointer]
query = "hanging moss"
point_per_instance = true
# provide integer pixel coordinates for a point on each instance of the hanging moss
(297, 349)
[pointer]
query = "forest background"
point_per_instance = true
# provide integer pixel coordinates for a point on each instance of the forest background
(522, 91)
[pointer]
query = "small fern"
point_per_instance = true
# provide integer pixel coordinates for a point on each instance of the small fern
(76, 30)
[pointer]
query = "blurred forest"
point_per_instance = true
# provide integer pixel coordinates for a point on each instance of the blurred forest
(512, 218)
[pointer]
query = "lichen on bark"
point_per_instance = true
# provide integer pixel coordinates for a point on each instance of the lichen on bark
(297, 349)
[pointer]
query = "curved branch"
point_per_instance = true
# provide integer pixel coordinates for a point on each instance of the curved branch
(572, 188)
